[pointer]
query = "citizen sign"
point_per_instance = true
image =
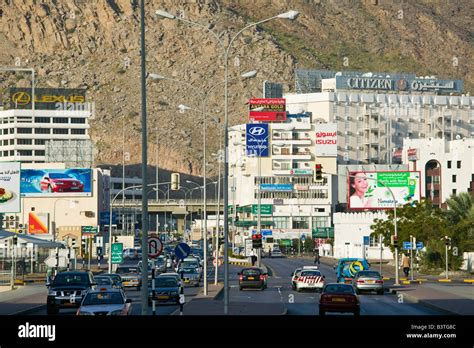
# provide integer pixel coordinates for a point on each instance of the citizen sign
(257, 131)
(366, 83)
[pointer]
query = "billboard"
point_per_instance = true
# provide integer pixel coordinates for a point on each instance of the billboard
(269, 109)
(257, 137)
(45, 98)
(56, 182)
(326, 140)
(38, 223)
(371, 190)
(10, 187)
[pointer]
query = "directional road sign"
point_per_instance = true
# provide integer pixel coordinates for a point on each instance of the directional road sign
(117, 253)
(303, 238)
(419, 245)
(182, 250)
(155, 247)
(406, 245)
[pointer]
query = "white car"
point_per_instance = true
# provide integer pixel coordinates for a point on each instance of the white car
(308, 279)
(276, 253)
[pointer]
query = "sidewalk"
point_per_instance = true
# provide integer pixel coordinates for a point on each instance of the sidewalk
(210, 305)
(22, 299)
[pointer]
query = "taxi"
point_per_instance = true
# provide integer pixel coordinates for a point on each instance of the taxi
(105, 301)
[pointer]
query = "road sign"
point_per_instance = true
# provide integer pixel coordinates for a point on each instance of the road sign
(182, 250)
(105, 218)
(89, 229)
(419, 245)
(215, 261)
(117, 253)
(155, 247)
(406, 245)
(366, 240)
(303, 238)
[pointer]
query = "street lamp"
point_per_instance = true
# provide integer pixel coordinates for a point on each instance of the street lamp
(226, 49)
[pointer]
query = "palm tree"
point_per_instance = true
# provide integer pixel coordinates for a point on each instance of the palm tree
(460, 207)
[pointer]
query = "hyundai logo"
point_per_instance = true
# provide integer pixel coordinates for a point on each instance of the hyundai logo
(257, 131)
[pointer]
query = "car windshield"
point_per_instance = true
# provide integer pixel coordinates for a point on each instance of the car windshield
(188, 270)
(103, 281)
(70, 279)
(369, 274)
(59, 176)
(103, 298)
(339, 288)
(251, 272)
(311, 274)
(166, 282)
(124, 270)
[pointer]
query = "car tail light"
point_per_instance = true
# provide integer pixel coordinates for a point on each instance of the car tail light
(262, 277)
(379, 281)
(325, 298)
(241, 277)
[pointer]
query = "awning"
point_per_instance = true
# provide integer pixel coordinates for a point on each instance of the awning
(41, 243)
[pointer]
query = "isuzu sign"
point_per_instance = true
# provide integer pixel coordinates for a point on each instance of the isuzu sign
(269, 109)
(257, 137)
(326, 140)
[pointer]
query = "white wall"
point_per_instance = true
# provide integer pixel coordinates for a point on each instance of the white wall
(351, 228)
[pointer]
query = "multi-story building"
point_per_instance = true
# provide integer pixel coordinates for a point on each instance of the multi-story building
(374, 112)
(293, 202)
(59, 114)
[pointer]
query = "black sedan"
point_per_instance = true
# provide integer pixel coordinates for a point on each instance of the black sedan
(166, 290)
(252, 278)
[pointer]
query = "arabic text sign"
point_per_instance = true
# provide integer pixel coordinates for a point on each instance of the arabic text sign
(10, 187)
(326, 140)
(265, 209)
(371, 190)
(273, 109)
(56, 182)
(257, 137)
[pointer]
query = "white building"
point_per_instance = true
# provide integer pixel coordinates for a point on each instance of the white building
(375, 112)
(296, 203)
(351, 230)
(447, 167)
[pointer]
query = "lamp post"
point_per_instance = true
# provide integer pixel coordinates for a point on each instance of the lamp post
(226, 49)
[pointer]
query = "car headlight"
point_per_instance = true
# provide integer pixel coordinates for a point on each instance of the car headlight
(51, 292)
(117, 312)
(84, 313)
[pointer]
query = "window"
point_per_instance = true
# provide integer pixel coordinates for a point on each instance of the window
(24, 131)
(374, 241)
(78, 131)
(5, 153)
(12, 153)
(449, 164)
(60, 120)
(5, 131)
(281, 221)
(454, 178)
(42, 120)
(300, 222)
(24, 142)
(40, 141)
(12, 141)
(459, 164)
(25, 153)
(60, 131)
(5, 143)
(40, 153)
(78, 120)
(454, 192)
(320, 221)
(42, 131)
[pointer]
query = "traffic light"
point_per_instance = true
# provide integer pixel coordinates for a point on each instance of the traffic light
(447, 240)
(174, 181)
(83, 245)
(15, 240)
(394, 240)
(256, 241)
(319, 172)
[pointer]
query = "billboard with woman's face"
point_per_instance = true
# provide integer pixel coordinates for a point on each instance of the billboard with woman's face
(372, 190)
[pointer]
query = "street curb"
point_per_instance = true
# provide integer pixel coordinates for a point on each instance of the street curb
(240, 263)
(29, 310)
(424, 303)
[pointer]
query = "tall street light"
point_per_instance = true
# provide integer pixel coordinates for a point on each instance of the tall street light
(226, 49)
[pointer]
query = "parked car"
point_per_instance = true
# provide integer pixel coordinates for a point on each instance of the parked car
(68, 289)
(60, 182)
(166, 290)
(105, 302)
(252, 278)
(130, 276)
(116, 279)
(339, 297)
(368, 281)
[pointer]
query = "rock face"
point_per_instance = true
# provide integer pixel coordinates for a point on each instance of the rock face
(96, 45)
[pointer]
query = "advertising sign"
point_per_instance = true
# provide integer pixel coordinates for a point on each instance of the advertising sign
(56, 182)
(105, 206)
(326, 140)
(38, 223)
(301, 172)
(412, 154)
(257, 138)
(276, 187)
(10, 187)
(270, 109)
(45, 98)
(371, 190)
(266, 209)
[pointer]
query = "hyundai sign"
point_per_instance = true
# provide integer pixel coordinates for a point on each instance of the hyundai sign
(257, 140)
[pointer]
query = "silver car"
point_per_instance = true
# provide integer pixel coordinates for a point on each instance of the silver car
(368, 281)
(191, 275)
(105, 302)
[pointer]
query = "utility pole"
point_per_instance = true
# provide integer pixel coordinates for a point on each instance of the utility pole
(381, 252)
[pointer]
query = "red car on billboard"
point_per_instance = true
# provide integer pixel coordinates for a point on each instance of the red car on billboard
(60, 182)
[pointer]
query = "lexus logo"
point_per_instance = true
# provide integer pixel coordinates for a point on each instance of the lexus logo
(257, 131)
(21, 98)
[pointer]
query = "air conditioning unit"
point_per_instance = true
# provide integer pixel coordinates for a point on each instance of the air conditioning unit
(399, 119)
(360, 133)
(339, 133)
(360, 118)
(348, 133)
(276, 164)
(398, 134)
(411, 119)
(348, 147)
(339, 147)
(20, 225)
(11, 217)
(360, 148)
(421, 134)
(348, 118)
(337, 118)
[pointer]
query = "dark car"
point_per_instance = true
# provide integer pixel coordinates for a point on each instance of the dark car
(68, 289)
(339, 297)
(252, 278)
(116, 279)
(60, 182)
(166, 290)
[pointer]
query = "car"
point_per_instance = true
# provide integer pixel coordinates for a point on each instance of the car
(166, 290)
(60, 182)
(116, 279)
(191, 275)
(130, 276)
(252, 277)
(368, 281)
(132, 253)
(339, 297)
(160, 264)
(68, 289)
(294, 276)
(104, 282)
(175, 275)
(276, 253)
(105, 302)
(189, 262)
(309, 279)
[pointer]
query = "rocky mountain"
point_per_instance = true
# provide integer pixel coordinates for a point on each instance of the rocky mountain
(96, 45)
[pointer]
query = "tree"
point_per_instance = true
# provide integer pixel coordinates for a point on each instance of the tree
(460, 215)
